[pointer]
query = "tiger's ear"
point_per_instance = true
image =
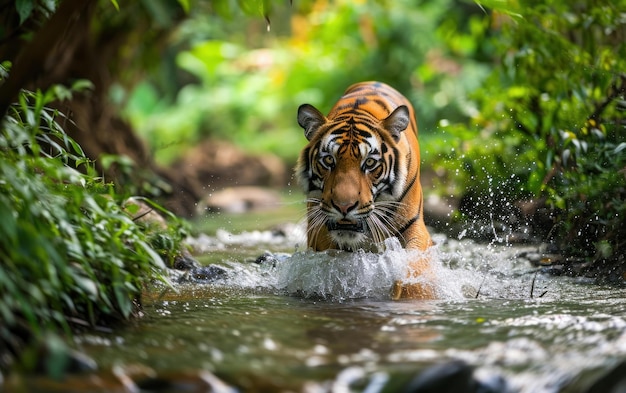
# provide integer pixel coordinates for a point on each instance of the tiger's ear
(397, 122)
(310, 119)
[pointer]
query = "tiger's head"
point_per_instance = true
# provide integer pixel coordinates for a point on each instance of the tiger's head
(353, 171)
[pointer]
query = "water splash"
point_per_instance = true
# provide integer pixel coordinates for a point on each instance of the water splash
(461, 269)
(351, 275)
(343, 275)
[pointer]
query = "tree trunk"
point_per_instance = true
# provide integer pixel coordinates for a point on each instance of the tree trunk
(75, 43)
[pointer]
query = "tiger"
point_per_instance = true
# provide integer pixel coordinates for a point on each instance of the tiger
(360, 172)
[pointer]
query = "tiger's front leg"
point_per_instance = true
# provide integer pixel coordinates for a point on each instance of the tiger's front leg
(419, 268)
(424, 290)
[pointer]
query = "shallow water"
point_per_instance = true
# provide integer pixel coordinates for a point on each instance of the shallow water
(320, 322)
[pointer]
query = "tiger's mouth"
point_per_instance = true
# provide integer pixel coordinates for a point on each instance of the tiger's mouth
(345, 225)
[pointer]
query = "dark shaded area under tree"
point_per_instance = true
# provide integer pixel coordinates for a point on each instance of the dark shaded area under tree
(85, 40)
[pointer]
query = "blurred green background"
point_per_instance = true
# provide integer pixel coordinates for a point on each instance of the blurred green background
(227, 76)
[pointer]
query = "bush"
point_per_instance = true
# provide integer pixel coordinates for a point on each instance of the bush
(70, 255)
(551, 122)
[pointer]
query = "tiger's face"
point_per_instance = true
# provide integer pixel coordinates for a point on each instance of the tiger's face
(353, 175)
(361, 173)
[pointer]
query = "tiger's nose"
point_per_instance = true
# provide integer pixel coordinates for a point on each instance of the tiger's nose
(345, 207)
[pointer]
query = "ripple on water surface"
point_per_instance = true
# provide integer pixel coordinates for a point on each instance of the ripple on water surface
(539, 333)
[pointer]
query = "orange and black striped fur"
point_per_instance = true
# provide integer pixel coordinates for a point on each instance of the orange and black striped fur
(361, 173)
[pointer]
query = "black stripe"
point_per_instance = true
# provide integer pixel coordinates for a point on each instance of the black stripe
(384, 105)
(409, 223)
(359, 116)
(336, 129)
(363, 133)
(359, 101)
(341, 114)
(359, 88)
(408, 187)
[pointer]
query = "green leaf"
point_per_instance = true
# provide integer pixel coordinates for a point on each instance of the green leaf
(62, 93)
(503, 6)
(82, 85)
(89, 287)
(620, 147)
(185, 5)
(121, 296)
(132, 208)
(24, 9)
(156, 258)
(565, 156)
(252, 7)
(117, 6)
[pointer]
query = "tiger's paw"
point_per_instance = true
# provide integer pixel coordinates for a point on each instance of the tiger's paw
(423, 291)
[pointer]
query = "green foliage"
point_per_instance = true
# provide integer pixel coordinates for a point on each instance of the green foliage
(25, 8)
(70, 253)
(551, 120)
(249, 82)
(591, 195)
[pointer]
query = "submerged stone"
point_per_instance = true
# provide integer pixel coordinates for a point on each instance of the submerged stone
(202, 274)
(453, 377)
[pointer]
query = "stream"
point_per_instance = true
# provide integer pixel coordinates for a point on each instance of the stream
(300, 321)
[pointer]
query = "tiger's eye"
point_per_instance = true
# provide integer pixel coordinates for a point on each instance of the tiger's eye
(370, 163)
(328, 161)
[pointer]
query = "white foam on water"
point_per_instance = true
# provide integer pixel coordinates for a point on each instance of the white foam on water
(341, 275)
(461, 269)
(351, 275)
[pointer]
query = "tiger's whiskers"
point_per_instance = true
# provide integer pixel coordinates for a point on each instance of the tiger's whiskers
(316, 218)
